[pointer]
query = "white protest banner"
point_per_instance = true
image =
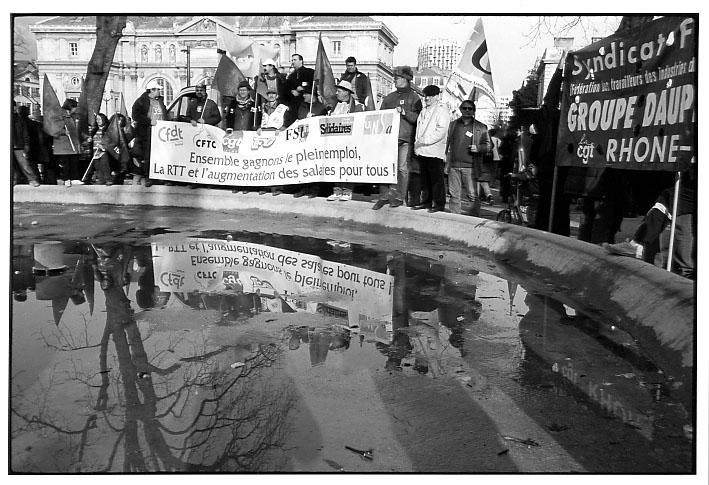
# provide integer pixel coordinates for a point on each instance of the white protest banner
(222, 267)
(356, 148)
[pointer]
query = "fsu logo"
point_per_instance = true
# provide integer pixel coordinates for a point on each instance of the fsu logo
(300, 132)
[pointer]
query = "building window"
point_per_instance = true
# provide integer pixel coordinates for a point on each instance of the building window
(336, 47)
(73, 49)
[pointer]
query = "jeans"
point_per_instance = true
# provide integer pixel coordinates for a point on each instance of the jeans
(398, 191)
(25, 166)
(461, 179)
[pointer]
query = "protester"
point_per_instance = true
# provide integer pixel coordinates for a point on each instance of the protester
(408, 105)
(645, 242)
(506, 164)
(239, 115)
(297, 81)
(467, 142)
(202, 109)
(357, 79)
(147, 110)
(430, 149)
(274, 116)
(489, 166)
(101, 159)
(346, 103)
(21, 145)
(40, 154)
(67, 143)
(123, 165)
(310, 106)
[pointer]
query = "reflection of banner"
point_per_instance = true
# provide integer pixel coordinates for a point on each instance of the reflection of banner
(629, 100)
(357, 148)
(224, 267)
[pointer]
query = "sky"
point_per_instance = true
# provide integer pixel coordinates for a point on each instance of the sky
(511, 47)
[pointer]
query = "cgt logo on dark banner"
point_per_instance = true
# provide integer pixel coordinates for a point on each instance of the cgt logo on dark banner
(376, 124)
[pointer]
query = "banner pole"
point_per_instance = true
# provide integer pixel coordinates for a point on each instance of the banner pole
(673, 224)
(553, 199)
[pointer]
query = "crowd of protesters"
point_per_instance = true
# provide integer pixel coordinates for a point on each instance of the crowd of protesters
(444, 164)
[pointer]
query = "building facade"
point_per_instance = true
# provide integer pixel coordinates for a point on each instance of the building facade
(25, 86)
(162, 48)
(443, 54)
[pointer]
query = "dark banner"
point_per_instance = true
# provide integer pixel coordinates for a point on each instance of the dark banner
(629, 101)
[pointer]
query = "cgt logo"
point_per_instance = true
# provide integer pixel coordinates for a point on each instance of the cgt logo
(585, 150)
(232, 140)
(170, 134)
(377, 124)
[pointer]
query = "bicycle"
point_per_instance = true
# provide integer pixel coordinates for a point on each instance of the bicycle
(515, 213)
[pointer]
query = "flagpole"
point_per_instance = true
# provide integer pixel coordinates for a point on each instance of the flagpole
(90, 164)
(673, 224)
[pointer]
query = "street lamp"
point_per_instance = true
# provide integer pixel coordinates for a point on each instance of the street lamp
(186, 50)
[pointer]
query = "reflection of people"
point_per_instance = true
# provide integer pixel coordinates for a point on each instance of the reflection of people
(457, 306)
(319, 345)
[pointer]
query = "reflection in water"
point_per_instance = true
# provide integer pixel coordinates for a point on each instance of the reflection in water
(187, 371)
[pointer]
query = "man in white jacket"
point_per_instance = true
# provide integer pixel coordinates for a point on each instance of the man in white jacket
(430, 148)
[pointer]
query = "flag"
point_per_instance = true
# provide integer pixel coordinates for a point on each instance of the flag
(114, 141)
(369, 99)
(246, 53)
(123, 109)
(474, 65)
(227, 77)
(260, 86)
(323, 77)
(52, 112)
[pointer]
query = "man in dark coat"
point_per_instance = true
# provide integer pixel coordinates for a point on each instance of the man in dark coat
(147, 110)
(357, 79)
(297, 81)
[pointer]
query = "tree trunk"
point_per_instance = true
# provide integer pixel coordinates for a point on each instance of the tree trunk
(109, 30)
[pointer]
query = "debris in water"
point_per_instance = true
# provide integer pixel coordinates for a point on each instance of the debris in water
(503, 452)
(334, 465)
(528, 441)
(34, 223)
(628, 375)
(236, 365)
(555, 367)
(558, 427)
(364, 454)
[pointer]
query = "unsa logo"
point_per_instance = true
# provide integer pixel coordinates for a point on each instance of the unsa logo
(378, 123)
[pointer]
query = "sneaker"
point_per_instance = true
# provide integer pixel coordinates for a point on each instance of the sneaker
(67, 183)
(489, 200)
(627, 248)
(148, 182)
(276, 192)
(34, 183)
(244, 191)
(108, 184)
(396, 203)
(261, 192)
(346, 195)
(299, 194)
(336, 194)
(77, 182)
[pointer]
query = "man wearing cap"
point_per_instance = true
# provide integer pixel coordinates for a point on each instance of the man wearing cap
(146, 111)
(202, 109)
(408, 104)
(430, 148)
(357, 79)
(297, 81)
(468, 141)
(240, 111)
(274, 117)
(346, 103)
(310, 106)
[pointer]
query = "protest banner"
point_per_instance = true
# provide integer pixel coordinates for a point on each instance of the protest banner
(356, 148)
(629, 101)
(214, 266)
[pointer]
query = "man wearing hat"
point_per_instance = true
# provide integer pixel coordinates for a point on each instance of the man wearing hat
(346, 103)
(240, 112)
(430, 148)
(146, 111)
(408, 104)
(468, 141)
(297, 81)
(202, 109)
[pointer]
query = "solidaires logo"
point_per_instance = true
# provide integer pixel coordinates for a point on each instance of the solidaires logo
(336, 126)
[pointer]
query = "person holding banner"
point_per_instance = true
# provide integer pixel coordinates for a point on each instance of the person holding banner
(274, 118)
(242, 109)
(146, 111)
(202, 109)
(645, 242)
(310, 106)
(408, 104)
(346, 103)
(430, 148)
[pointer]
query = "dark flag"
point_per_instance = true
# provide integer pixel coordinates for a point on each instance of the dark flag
(52, 112)
(114, 141)
(227, 77)
(123, 109)
(323, 78)
(369, 99)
